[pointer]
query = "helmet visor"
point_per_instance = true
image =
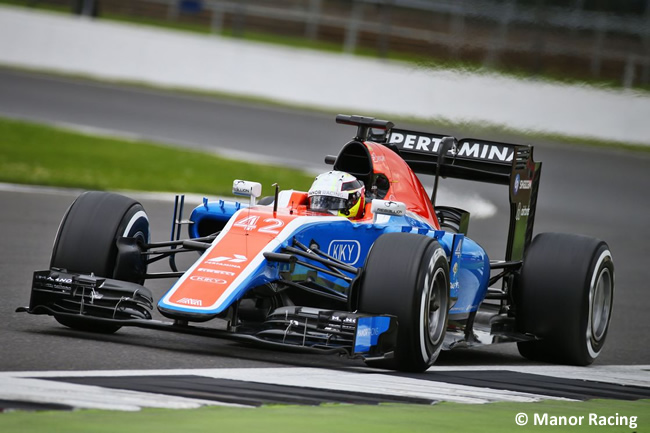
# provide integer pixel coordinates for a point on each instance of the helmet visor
(325, 203)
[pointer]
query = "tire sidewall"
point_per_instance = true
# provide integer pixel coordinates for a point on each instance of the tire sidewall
(396, 275)
(602, 265)
(554, 300)
(436, 267)
(86, 238)
(135, 224)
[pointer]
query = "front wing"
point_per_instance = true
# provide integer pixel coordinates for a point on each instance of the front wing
(91, 300)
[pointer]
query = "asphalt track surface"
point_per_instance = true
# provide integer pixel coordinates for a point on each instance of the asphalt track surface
(595, 192)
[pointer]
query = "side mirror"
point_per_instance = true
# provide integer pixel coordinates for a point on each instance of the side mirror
(247, 189)
(387, 207)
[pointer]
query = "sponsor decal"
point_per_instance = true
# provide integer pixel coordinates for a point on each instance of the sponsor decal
(347, 251)
(190, 301)
(241, 187)
(522, 211)
(58, 283)
(227, 261)
(415, 142)
(467, 149)
(454, 284)
(389, 205)
(368, 332)
(337, 194)
(344, 320)
(516, 185)
(207, 279)
(521, 184)
(55, 280)
(246, 188)
(216, 271)
(226, 265)
(525, 184)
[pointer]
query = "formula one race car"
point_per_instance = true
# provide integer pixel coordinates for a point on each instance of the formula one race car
(393, 286)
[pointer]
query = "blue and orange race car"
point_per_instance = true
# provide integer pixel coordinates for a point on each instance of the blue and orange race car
(394, 285)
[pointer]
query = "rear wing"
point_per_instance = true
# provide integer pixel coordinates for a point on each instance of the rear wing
(471, 159)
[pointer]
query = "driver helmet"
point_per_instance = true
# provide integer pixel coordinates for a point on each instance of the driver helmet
(338, 193)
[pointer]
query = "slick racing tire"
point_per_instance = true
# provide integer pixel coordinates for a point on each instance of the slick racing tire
(407, 275)
(86, 241)
(565, 297)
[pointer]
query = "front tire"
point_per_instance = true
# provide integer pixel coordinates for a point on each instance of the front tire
(407, 275)
(565, 298)
(86, 241)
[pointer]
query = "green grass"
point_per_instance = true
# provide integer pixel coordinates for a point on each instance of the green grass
(443, 417)
(37, 5)
(43, 155)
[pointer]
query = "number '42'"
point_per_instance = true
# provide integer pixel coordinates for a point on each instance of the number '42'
(269, 225)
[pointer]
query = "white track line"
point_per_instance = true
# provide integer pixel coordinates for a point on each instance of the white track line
(92, 397)
(30, 386)
(73, 192)
(376, 383)
(629, 375)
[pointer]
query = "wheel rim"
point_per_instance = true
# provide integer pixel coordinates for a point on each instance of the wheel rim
(601, 304)
(436, 306)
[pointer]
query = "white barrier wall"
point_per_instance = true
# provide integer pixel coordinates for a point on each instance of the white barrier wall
(115, 51)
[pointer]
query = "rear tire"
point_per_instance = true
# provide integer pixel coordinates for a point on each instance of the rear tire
(565, 297)
(407, 275)
(86, 241)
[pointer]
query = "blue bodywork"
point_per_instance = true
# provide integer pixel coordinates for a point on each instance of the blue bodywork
(350, 243)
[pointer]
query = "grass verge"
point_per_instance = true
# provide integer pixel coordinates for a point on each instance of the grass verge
(488, 418)
(43, 155)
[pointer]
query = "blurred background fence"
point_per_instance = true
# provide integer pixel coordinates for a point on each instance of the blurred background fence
(601, 40)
